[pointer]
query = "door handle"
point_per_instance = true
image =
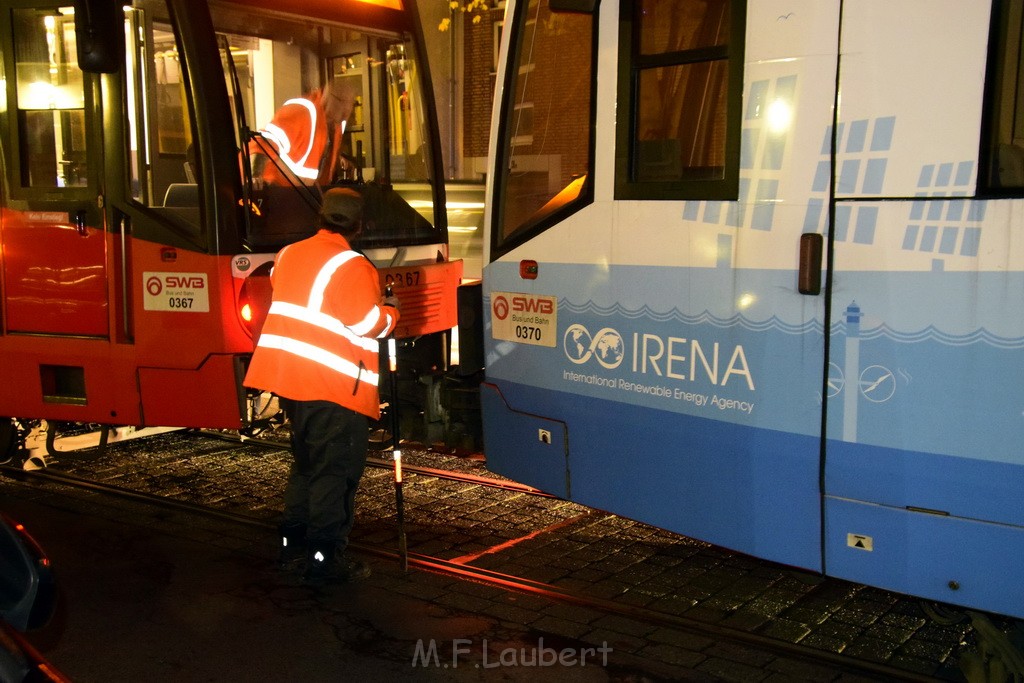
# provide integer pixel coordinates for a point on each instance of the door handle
(124, 228)
(809, 279)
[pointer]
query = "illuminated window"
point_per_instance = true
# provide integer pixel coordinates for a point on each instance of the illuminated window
(51, 99)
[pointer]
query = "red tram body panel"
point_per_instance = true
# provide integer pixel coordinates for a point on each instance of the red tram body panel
(129, 219)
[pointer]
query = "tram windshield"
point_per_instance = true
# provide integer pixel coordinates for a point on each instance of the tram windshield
(378, 142)
(368, 81)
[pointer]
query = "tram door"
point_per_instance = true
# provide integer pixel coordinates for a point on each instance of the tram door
(924, 466)
(51, 230)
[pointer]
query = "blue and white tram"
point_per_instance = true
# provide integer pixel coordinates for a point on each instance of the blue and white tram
(755, 274)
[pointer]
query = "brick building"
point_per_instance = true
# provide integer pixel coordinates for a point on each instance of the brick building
(462, 61)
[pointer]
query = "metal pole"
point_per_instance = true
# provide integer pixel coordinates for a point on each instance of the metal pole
(403, 551)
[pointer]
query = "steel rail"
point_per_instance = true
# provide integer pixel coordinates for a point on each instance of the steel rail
(377, 461)
(510, 582)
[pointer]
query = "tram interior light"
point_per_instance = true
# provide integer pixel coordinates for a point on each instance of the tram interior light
(37, 94)
(391, 4)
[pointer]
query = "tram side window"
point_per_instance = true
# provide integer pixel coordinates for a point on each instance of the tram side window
(51, 99)
(409, 154)
(164, 171)
(1003, 140)
(680, 88)
(547, 122)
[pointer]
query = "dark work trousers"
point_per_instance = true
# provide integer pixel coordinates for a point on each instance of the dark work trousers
(329, 446)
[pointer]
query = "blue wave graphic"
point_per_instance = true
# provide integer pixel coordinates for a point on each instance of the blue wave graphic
(931, 333)
(883, 331)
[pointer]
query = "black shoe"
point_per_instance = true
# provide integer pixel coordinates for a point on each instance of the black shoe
(291, 555)
(292, 548)
(339, 569)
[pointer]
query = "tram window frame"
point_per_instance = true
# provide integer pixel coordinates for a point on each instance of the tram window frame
(1002, 128)
(75, 116)
(637, 63)
(574, 190)
(394, 147)
(162, 180)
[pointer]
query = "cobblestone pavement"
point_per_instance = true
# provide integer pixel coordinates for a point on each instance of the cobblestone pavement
(570, 546)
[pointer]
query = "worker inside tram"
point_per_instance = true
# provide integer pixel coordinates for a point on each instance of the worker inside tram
(368, 84)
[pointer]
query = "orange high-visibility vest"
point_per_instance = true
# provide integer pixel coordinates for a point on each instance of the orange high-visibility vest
(321, 337)
(299, 133)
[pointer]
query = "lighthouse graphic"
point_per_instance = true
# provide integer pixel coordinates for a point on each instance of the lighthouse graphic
(851, 364)
(875, 383)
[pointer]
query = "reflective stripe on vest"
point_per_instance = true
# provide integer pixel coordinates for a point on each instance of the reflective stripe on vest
(280, 136)
(324, 321)
(316, 354)
(312, 314)
(323, 278)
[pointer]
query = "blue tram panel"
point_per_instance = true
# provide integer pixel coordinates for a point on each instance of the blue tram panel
(641, 285)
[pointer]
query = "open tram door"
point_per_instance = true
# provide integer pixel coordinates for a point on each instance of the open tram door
(126, 221)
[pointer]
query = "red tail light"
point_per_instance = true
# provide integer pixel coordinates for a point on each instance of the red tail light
(254, 299)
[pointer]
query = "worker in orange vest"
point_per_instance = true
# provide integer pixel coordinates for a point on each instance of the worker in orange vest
(319, 352)
(306, 134)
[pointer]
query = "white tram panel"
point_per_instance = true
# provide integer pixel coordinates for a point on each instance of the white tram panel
(911, 81)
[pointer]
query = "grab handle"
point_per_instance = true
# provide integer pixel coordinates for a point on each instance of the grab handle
(809, 279)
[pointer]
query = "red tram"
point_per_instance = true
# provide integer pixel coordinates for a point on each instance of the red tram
(133, 243)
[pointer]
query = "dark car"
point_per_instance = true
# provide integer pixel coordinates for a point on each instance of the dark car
(28, 596)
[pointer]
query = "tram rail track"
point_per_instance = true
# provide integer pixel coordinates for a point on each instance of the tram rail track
(462, 569)
(377, 460)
